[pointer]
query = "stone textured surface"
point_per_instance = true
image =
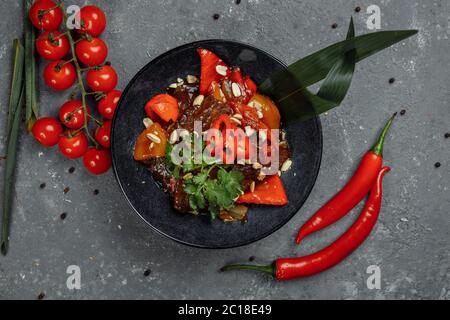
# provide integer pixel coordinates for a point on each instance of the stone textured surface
(113, 247)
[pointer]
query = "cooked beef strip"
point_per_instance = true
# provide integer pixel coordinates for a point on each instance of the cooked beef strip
(180, 198)
(157, 166)
(250, 174)
(207, 112)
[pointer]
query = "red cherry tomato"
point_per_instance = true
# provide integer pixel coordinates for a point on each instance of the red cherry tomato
(47, 131)
(51, 45)
(107, 105)
(71, 114)
(103, 134)
(42, 20)
(91, 52)
(97, 161)
(60, 75)
(105, 79)
(93, 20)
(75, 146)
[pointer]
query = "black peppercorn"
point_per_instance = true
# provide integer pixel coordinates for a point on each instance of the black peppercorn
(71, 169)
(147, 272)
(358, 9)
(216, 16)
(402, 113)
(391, 80)
(41, 296)
(96, 192)
(334, 25)
(437, 164)
(66, 189)
(42, 186)
(63, 215)
(447, 135)
(252, 258)
(238, 1)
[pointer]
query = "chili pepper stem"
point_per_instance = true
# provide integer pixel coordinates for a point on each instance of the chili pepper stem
(378, 146)
(270, 269)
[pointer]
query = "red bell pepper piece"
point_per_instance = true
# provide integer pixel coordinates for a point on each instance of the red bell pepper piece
(208, 71)
(163, 105)
(223, 123)
(236, 76)
(270, 191)
(249, 114)
(250, 85)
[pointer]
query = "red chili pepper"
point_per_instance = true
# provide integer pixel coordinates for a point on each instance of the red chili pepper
(270, 191)
(290, 268)
(353, 192)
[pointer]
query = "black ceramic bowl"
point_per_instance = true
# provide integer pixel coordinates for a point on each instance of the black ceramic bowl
(153, 205)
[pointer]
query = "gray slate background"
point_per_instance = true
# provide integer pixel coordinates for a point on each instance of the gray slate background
(113, 247)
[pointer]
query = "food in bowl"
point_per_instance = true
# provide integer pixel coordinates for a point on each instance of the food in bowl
(214, 143)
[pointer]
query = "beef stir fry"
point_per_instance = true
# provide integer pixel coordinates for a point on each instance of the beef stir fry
(237, 133)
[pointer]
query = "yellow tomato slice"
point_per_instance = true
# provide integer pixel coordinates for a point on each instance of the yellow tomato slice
(268, 108)
(151, 143)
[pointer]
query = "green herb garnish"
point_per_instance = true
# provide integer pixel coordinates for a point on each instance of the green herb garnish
(216, 194)
(205, 192)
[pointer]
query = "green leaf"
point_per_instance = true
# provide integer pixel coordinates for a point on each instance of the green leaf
(335, 63)
(16, 81)
(190, 188)
(200, 200)
(200, 178)
(231, 182)
(214, 210)
(338, 80)
(11, 148)
(189, 166)
(193, 203)
(31, 104)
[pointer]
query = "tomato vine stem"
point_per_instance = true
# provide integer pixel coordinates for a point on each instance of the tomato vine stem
(81, 86)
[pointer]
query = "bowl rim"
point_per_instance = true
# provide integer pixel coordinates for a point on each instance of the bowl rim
(114, 164)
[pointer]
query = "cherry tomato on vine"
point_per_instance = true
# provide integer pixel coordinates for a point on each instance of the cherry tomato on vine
(60, 75)
(52, 45)
(44, 20)
(108, 104)
(104, 79)
(47, 131)
(93, 20)
(72, 145)
(97, 161)
(91, 52)
(103, 134)
(71, 114)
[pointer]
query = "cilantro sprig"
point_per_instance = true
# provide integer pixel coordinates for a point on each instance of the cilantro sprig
(205, 192)
(215, 194)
